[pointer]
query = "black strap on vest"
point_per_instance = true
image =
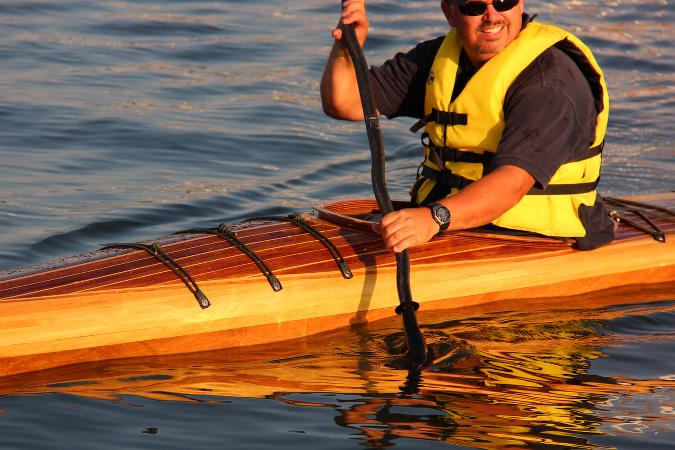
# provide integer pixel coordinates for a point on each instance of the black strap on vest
(439, 155)
(565, 189)
(593, 151)
(445, 178)
(440, 117)
(449, 180)
(574, 188)
(448, 154)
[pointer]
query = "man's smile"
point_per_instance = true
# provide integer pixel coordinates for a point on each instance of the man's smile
(491, 29)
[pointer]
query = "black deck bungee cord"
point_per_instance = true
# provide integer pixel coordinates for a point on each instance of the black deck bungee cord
(417, 349)
(224, 232)
(296, 219)
(633, 207)
(155, 250)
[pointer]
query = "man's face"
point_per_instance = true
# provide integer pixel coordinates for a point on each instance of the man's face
(485, 35)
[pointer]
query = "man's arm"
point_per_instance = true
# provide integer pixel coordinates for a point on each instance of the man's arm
(339, 89)
(477, 204)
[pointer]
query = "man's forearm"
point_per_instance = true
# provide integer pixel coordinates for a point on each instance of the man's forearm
(477, 204)
(339, 89)
(488, 198)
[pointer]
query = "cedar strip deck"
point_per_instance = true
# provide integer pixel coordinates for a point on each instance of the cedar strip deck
(280, 245)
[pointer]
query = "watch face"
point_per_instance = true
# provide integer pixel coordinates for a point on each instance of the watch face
(442, 213)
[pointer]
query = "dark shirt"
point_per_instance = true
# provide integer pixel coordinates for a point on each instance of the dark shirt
(549, 111)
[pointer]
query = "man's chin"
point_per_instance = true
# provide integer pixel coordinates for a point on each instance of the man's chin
(488, 50)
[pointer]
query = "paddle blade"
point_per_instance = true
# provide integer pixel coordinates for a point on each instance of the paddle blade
(417, 347)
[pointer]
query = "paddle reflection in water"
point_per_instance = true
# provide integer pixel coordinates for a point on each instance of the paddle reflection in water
(503, 379)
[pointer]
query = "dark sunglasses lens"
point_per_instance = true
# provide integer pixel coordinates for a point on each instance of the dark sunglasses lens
(472, 8)
(504, 5)
(479, 8)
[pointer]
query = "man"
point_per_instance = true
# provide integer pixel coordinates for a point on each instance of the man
(514, 113)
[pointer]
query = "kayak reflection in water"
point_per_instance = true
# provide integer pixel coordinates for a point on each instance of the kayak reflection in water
(520, 382)
(509, 380)
(513, 128)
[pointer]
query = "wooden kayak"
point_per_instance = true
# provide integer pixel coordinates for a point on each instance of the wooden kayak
(292, 366)
(272, 279)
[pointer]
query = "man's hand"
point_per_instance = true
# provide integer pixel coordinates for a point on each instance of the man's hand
(339, 89)
(353, 12)
(407, 227)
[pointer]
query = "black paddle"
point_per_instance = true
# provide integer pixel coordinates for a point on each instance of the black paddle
(417, 349)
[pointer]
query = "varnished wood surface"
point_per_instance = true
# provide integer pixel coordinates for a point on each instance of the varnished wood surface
(123, 303)
(191, 373)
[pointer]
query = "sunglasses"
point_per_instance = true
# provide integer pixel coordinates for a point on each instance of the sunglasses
(474, 8)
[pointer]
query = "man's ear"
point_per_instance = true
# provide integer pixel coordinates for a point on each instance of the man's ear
(447, 10)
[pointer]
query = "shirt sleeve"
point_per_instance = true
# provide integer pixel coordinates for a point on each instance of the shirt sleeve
(398, 85)
(550, 117)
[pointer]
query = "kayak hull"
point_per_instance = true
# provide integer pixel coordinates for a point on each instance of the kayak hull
(119, 303)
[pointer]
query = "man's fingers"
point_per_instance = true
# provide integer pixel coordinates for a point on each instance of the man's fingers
(401, 239)
(352, 10)
(406, 228)
(399, 233)
(391, 224)
(390, 218)
(354, 13)
(405, 244)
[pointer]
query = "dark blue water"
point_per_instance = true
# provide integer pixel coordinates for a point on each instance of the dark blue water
(127, 120)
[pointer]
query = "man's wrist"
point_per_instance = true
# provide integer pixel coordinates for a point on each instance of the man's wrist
(441, 216)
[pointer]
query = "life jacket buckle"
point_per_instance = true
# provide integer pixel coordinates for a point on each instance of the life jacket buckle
(441, 118)
(448, 118)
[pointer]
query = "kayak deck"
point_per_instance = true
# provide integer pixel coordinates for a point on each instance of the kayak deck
(116, 303)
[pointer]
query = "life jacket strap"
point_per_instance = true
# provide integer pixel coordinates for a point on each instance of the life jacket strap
(565, 189)
(440, 117)
(439, 155)
(593, 151)
(449, 180)
(445, 178)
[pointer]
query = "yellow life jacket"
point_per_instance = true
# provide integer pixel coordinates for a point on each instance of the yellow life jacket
(462, 133)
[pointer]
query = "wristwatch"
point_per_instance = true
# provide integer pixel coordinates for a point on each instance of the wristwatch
(441, 215)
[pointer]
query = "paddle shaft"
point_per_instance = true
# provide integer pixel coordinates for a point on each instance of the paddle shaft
(414, 338)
